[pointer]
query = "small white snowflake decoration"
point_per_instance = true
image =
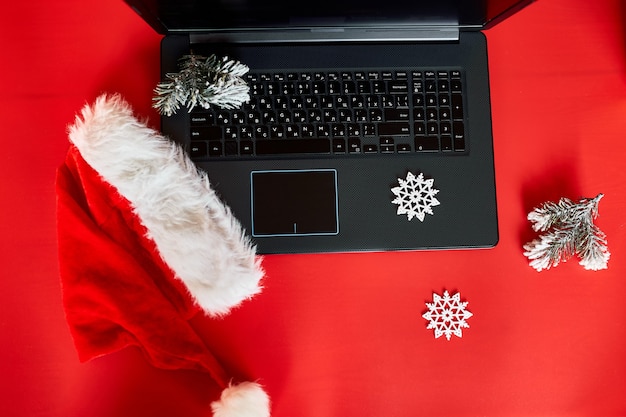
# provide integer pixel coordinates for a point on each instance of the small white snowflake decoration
(415, 196)
(447, 315)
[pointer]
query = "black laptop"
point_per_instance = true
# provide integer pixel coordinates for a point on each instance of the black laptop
(368, 126)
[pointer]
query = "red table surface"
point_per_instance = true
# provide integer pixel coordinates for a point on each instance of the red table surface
(340, 334)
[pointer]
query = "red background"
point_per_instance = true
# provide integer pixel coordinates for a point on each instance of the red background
(342, 334)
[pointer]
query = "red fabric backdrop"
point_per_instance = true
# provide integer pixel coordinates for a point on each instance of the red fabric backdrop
(340, 335)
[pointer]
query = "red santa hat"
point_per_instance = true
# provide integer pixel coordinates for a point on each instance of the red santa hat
(144, 245)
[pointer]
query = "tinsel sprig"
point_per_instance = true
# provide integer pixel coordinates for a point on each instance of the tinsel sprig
(202, 82)
(569, 231)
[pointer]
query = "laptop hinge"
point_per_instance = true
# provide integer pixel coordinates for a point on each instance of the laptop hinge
(321, 34)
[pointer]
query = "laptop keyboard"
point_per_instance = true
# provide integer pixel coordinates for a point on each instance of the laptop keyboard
(339, 113)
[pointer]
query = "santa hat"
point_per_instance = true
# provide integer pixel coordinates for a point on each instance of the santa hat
(144, 245)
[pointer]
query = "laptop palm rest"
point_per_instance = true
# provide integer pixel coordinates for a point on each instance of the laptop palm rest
(294, 203)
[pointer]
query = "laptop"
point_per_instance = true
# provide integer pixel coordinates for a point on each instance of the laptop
(368, 127)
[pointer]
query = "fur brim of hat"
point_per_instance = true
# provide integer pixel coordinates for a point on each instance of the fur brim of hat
(195, 233)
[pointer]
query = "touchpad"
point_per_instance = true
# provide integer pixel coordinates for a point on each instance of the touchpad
(302, 202)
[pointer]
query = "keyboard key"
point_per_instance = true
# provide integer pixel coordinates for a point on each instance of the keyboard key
(198, 149)
(397, 87)
(277, 132)
(231, 132)
(292, 146)
(403, 148)
(459, 130)
(363, 87)
(418, 87)
(206, 133)
(459, 136)
(345, 116)
(426, 144)
(354, 145)
(239, 118)
(369, 129)
(388, 101)
(334, 87)
(370, 148)
(273, 88)
(360, 115)
(322, 130)
(402, 75)
(446, 143)
(376, 115)
(457, 106)
(303, 88)
(246, 132)
(288, 88)
(307, 130)
(349, 87)
(318, 87)
(230, 148)
(261, 132)
(292, 131)
(394, 129)
(299, 116)
(201, 119)
(372, 101)
(215, 148)
(246, 147)
(354, 130)
(339, 146)
(379, 87)
(397, 115)
(338, 130)
(402, 101)
(329, 116)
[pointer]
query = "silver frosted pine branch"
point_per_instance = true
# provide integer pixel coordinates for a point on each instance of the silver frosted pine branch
(202, 82)
(569, 231)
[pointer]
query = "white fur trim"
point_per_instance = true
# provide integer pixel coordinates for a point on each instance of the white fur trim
(195, 233)
(244, 400)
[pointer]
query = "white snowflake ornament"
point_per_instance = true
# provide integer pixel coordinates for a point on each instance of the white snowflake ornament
(415, 196)
(447, 315)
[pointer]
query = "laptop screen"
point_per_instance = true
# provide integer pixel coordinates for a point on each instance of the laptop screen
(168, 16)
